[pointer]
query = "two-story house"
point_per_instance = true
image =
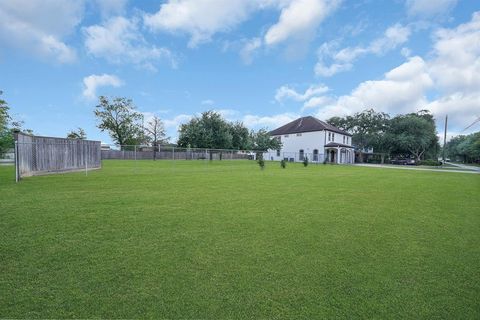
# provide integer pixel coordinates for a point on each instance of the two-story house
(312, 138)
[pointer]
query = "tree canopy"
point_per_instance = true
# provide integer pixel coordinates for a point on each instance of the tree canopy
(210, 130)
(464, 147)
(411, 134)
(79, 134)
(121, 120)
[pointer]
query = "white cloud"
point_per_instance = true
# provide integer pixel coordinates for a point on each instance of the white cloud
(299, 20)
(429, 8)
(119, 40)
(38, 26)
(456, 66)
(401, 90)
(175, 122)
(342, 60)
(94, 81)
(270, 122)
(111, 7)
(451, 73)
(200, 19)
(249, 49)
(208, 102)
(286, 92)
(314, 96)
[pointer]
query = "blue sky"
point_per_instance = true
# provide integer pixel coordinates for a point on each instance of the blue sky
(263, 62)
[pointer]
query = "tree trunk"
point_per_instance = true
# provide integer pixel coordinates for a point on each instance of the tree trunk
(382, 158)
(154, 152)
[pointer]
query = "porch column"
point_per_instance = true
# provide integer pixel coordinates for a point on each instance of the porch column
(338, 155)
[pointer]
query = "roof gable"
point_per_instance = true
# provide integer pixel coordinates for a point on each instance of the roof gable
(306, 124)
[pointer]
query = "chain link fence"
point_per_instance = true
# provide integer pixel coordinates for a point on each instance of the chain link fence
(164, 152)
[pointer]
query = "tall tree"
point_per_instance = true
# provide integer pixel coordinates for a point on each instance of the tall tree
(155, 131)
(79, 134)
(6, 136)
(368, 130)
(241, 138)
(120, 118)
(263, 141)
(209, 130)
(465, 147)
(413, 133)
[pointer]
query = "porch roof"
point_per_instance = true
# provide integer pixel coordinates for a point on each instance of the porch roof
(337, 145)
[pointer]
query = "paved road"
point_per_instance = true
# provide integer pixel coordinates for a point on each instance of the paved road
(464, 166)
(415, 168)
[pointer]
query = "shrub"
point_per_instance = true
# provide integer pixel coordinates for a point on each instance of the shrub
(325, 160)
(429, 162)
(305, 161)
(261, 163)
(283, 163)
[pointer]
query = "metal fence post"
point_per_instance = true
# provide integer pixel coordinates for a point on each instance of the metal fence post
(135, 156)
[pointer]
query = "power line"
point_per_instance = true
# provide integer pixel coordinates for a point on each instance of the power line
(474, 122)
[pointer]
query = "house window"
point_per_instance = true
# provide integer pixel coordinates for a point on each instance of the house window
(343, 139)
(300, 155)
(347, 140)
(329, 136)
(299, 134)
(333, 136)
(278, 153)
(285, 136)
(315, 155)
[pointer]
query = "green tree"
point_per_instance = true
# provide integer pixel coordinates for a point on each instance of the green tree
(262, 141)
(465, 147)
(241, 138)
(413, 134)
(6, 136)
(209, 130)
(79, 134)
(368, 129)
(120, 118)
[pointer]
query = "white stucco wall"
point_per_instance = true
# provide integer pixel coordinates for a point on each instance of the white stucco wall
(306, 141)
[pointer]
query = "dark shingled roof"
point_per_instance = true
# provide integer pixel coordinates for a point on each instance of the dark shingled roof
(306, 124)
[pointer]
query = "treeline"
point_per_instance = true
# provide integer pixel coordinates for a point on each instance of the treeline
(8, 127)
(465, 148)
(123, 122)
(405, 135)
(210, 130)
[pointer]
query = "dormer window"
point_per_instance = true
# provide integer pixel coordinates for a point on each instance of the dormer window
(299, 134)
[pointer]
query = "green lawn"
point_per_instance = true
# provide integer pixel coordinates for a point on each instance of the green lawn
(226, 240)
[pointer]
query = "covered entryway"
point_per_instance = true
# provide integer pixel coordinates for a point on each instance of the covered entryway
(339, 153)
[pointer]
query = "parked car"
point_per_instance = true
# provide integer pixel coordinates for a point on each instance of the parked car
(404, 162)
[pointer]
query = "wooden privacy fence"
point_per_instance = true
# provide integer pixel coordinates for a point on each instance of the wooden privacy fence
(36, 155)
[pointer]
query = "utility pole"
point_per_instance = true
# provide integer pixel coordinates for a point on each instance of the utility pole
(445, 138)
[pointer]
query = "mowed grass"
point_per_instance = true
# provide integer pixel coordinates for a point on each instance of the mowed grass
(193, 239)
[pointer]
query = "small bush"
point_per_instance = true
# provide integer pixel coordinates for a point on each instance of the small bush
(325, 160)
(430, 162)
(283, 164)
(261, 163)
(305, 161)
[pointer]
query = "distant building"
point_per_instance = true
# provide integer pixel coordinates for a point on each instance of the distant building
(312, 138)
